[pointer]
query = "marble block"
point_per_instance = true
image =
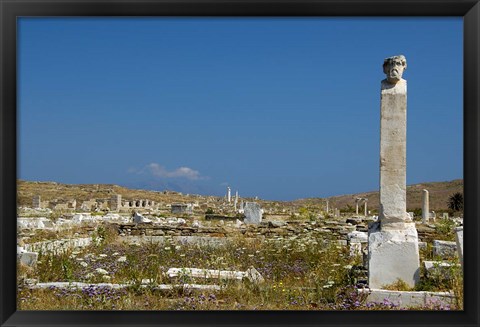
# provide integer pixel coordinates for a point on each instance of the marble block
(393, 255)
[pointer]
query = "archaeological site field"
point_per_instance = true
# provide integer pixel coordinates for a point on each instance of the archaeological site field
(106, 247)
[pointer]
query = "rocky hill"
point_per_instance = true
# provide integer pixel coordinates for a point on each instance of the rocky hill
(50, 191)
(439, 194)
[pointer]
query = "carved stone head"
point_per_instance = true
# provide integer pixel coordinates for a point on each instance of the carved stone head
(394, 67)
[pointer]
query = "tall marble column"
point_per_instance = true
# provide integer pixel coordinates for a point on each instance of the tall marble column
(393, 240)
(425, 207)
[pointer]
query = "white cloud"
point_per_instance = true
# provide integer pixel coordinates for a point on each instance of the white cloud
(182, 172)
(132, 170)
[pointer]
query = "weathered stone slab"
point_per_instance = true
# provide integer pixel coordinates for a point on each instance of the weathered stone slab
(58, 246)
(84, 218)
(252, 274)
(437, 268)
(360, 237)
(139, 219)
(444, 249)
(253, 213)
(173, 221)
(27, 258)
(197, 240)
(205, 273)
(35, 223)
(79, 285)
(276, 223)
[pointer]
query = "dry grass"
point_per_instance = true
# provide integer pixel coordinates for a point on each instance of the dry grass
(399, 285)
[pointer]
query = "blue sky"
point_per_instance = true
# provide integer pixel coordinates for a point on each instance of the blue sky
(280, 108)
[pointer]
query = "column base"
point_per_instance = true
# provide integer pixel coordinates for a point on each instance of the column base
(392, 255)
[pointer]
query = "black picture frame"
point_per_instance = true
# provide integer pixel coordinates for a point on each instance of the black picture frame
(10, 10)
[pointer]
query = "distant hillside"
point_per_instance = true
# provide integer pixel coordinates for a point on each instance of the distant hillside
(82, 192)
(439, 194)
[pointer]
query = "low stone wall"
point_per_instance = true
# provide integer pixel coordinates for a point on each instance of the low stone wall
(58, 246)
(197, 240)
(333, 229)
(151, 229)
(410, 299)
(220, 217)
(88, 286)
(34, 223)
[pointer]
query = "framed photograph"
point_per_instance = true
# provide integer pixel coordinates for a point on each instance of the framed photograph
(194, 163)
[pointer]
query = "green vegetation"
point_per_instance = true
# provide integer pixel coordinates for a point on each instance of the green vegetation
(444, 279)
(98, 213)
(307, 213)
(349, 208)
(417, 213)
(399, 285)
(209, 211)
(445, 229)
(299, 274)
(455, 202)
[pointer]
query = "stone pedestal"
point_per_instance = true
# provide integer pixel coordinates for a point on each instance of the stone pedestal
(393, 241)
(393, 255)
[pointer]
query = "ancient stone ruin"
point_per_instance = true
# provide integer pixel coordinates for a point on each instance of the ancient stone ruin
(115, 203)
(425, 207)
(393, 241)
(358, 201)
(182, 208)
(253, 213)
